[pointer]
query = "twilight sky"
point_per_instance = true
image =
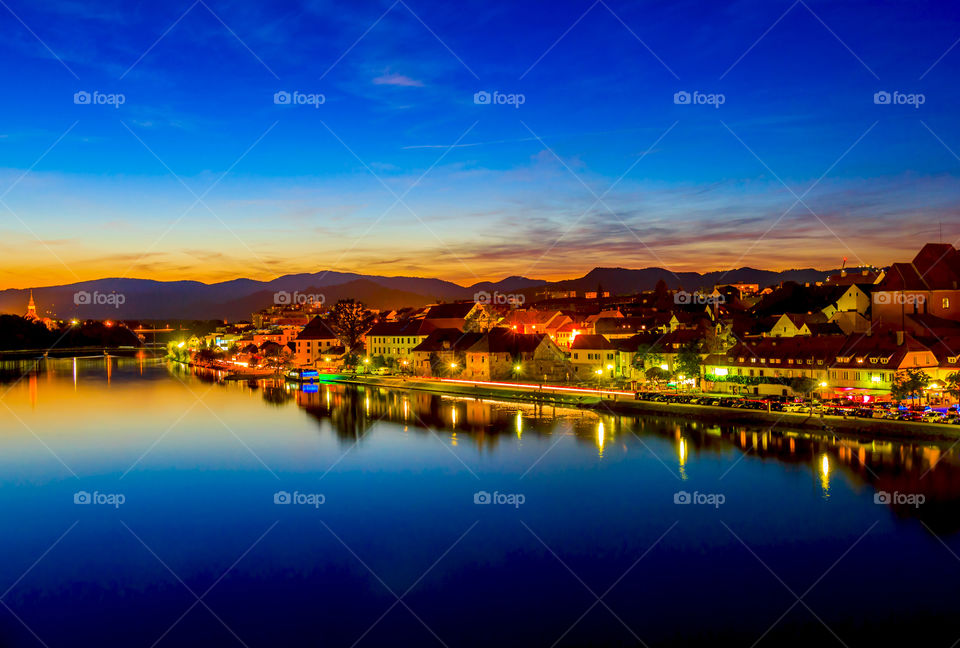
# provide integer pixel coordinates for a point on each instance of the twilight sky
(199, 174)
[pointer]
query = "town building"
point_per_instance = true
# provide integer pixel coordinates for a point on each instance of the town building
(314, 342)
(501, 354)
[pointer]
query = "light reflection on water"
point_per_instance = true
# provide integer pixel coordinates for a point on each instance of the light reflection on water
(199, 461)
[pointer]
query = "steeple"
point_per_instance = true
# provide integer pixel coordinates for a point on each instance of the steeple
(31, 308)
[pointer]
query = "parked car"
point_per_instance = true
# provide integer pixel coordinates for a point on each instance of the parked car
(933, 416)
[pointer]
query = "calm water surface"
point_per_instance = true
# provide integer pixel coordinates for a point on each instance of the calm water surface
(398, 552)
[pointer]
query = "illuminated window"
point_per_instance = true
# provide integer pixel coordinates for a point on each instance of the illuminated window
(946, 303)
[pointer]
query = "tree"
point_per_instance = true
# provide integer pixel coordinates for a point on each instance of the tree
(349, 321)
(953, 385)
(909, 384)
(689, 361)
(803, 385)
(647, 354)
(656, 374)
(275, 356)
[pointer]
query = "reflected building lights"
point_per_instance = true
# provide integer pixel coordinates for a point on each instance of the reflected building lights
(825, 475)
(600, 437)
(682, 455)
(519, 424)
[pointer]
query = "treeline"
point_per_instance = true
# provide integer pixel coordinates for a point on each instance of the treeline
(17, 333)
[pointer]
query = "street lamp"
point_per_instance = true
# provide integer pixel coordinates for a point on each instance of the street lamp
(823, 386)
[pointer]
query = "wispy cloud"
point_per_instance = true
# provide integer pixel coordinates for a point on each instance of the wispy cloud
(397, 80)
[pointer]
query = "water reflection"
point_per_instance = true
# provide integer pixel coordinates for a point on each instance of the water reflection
(927, 468)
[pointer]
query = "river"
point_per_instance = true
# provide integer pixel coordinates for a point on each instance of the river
(147, 505)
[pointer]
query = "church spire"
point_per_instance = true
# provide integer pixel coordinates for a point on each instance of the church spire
(31, 307)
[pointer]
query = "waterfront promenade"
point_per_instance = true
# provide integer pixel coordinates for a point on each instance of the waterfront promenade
(623, 402)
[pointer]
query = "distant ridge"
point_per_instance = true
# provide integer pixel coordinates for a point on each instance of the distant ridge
(237, 298)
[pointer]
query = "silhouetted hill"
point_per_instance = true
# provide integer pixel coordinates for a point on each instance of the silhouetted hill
(237, 298)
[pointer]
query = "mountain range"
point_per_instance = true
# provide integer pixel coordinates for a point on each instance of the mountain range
(137, 299)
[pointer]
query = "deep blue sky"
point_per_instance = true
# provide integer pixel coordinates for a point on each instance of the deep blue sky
(516, 195)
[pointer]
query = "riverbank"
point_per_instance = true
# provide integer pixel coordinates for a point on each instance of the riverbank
(624, 403)
(80, 352)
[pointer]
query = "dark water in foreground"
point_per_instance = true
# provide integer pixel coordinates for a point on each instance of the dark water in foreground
(385, 545)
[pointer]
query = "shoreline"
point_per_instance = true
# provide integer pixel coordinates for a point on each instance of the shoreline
(830, 424)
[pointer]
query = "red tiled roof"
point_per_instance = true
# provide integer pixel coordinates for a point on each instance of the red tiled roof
(501, 340)
(317, 329)
(448, 339)
(592, 342)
